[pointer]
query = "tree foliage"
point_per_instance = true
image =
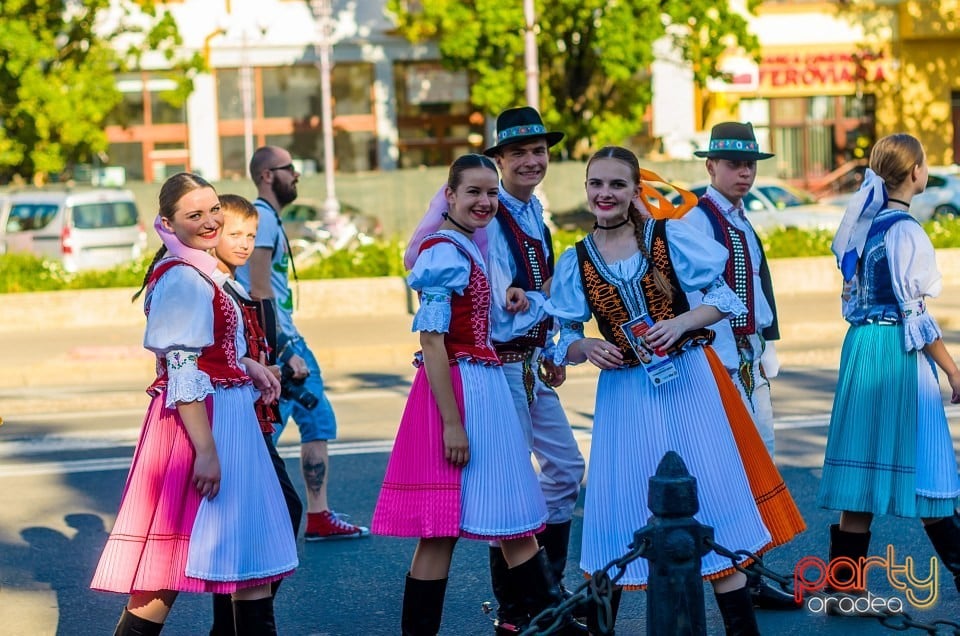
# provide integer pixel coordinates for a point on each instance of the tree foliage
(594, 55)
(58, 62)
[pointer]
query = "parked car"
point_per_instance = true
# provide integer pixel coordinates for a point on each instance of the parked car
(4, 204)
(82, 229)
(773, 204)
(940, 199)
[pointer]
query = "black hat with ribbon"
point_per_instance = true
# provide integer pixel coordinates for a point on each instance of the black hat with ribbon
(515, 125)
(733, 141)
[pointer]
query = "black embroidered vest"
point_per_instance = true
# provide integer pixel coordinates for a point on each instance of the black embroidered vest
(739, 272)
(534, 267)
(611, 308)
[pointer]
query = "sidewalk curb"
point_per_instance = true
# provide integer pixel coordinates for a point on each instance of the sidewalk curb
(334, 298)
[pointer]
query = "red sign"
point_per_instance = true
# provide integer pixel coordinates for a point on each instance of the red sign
(828, 71)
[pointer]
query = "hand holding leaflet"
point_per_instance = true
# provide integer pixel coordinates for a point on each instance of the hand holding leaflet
(658, 364)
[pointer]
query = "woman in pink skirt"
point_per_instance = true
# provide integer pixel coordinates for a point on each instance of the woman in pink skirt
(202, 509)
(460, 465)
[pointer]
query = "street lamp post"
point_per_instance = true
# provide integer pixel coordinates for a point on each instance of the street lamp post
(530, 60)
(323, 13)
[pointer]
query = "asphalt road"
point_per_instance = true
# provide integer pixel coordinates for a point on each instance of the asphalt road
(72, 401)
(61, 476)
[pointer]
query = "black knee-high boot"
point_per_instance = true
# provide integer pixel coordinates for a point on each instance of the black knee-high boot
(254, 618)
(852, 545)
(736, 607)
(222, 616)
(537, 590)
(555, 539)
(133, 625)
(509, 612)
(422, 606)
(945, 537)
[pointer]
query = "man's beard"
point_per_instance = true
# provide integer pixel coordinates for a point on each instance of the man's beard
(285, 194)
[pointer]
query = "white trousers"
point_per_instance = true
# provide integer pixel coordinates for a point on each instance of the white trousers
(758, 400)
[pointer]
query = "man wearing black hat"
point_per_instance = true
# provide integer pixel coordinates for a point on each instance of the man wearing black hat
(520, 254)
(743, 343)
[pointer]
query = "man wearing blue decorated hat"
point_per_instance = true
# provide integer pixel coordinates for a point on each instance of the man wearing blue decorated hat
(743, 343)
(520, 254)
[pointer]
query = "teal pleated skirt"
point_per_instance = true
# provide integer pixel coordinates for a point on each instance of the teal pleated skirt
(888, 449)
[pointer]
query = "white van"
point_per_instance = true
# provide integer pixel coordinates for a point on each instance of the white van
(83, 229)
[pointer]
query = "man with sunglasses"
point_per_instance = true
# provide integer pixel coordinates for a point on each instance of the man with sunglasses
(266, 276)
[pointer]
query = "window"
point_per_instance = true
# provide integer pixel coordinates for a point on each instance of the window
(129, 155)
(130, 111)
(232, 157)
(291, 91)
(92, 216)
(229, 104)
(28, 217)
(351, 86)
(163, 112)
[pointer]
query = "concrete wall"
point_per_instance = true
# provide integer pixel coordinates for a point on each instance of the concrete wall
(398, 198)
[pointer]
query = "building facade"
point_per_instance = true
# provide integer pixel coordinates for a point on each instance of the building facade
(393, 103)
(833, 77)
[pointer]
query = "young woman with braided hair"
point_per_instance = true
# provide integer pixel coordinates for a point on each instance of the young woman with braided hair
(632, 266)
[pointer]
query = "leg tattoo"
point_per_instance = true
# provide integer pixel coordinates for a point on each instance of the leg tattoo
(314, 474)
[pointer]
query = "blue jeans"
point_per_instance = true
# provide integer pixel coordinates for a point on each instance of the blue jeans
(315, 424)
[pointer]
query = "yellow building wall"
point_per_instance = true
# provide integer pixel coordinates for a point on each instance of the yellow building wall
(928, 51)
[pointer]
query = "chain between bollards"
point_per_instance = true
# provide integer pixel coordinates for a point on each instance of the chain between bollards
(596, 591)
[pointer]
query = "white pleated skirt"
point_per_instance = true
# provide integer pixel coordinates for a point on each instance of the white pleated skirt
(500, 495)
(244, 532)
(635, 424)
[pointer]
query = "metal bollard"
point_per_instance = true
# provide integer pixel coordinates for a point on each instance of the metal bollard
(676, 543)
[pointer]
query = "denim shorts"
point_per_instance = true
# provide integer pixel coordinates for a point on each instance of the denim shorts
(316, 424)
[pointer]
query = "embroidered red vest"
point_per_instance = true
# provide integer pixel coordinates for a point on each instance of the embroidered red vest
(534, 267)
(219, 360)
(610, 310)
(468, 336)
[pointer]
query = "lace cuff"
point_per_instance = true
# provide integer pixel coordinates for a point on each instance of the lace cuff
(185, 382)
(570, 332)
(718, 294)
(434, 312)
(919, 327)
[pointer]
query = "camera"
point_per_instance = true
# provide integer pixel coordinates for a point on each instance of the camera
(292, 388)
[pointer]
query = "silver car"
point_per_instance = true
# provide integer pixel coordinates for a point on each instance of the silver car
(774, 204)
(940, 199)
(82, 229)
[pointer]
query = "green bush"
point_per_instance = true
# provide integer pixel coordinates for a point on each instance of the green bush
(944, 232)
(28, 273)
(785, 243)
(380, 258)
(793, 243)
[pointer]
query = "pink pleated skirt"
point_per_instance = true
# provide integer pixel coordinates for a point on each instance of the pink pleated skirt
(495, 496)
(150, 549)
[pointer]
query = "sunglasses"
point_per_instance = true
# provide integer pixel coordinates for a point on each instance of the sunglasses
(289, 167)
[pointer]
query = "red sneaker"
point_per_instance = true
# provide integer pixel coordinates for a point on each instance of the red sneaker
(328, 525)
